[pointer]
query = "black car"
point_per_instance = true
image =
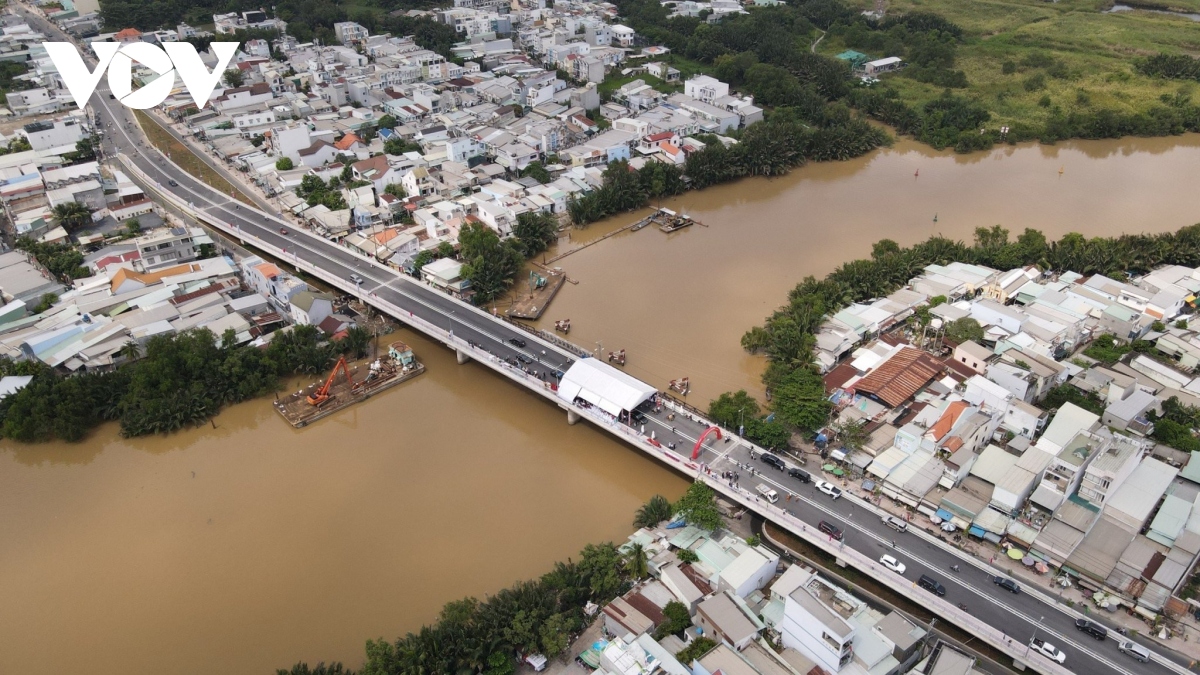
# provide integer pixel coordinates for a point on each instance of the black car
(1092, 628)
(772, 460)
(830, 529)
(172, 183)
(524, 359)
(800, 474)
(518, 342)
(932, 585)
(638, 416)
(1007, 584)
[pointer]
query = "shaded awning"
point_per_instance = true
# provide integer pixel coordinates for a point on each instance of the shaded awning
(975, 531)
(838, 455)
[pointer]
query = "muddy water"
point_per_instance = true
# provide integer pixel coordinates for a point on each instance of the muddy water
(679, 303)
(252, 546)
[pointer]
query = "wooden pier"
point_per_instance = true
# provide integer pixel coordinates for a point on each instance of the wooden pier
(398, 365)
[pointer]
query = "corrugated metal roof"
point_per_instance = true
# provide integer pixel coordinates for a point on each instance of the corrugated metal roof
(900, 377)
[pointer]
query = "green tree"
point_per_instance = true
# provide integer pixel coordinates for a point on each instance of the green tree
(234, 78)
(687, 555)
(698, 506)
(131, 350)
(538, 172)
(653, 512)
(284, 164)
(732, 409)
(962, 330)
(72, 216)
(555, 635)
(800, 400)
(396, 190)
(636, 563)
(45, 302)
(677, 619)
(698, 648)
(356, 343)
(387, 122)
(535, 232)
(335, 668)
(491, 265)
(133, 227)
(853, 434)
(601, 566)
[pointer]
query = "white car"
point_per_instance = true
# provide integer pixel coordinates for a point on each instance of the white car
(829, 489)
(892, 564)
(1048, 650)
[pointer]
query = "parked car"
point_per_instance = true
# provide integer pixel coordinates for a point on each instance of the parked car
(830, 529)
(1048, 650)
(1091, 628)
(517, 342)
(829, 489)
(897, 524)
(932, 585)
(892, 564)
(638, 417)
(772, 460)
(1007, 584)
(800, 475)
(1135, 650)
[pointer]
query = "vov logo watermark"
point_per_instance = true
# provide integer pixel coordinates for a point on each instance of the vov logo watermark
(117, 59)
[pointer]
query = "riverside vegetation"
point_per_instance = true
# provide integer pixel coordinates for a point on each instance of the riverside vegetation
(182, 380)
(1047, 71)
(787, 337)
(539, 616)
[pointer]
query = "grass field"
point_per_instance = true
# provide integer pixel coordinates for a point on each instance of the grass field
(1068, 54)
(185, 158)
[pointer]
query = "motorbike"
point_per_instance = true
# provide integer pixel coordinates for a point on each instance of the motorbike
(954, 568)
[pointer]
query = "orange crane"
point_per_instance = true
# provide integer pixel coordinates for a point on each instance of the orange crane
(320, 396)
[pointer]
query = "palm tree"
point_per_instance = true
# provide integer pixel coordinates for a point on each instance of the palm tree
(636, 563)
(653, 512)
(72, 215)
(131, 350)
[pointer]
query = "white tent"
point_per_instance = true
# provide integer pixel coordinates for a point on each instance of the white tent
(603, 386)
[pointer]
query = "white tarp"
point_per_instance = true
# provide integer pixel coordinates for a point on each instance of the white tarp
(603, 385)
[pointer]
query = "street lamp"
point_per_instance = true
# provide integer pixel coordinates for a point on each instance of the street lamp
(1035, 630)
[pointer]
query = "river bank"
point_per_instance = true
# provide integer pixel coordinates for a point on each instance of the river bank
(252, 545)
(679, 303)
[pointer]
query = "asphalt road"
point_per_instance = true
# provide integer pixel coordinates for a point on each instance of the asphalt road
(1021, 616)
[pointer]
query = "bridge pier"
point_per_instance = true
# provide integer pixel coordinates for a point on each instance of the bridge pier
(463, 357)
(572, 417)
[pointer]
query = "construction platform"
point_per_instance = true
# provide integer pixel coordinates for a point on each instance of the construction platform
(531, 305)
(398, 365)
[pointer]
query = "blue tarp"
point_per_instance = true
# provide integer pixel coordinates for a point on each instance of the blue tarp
(944, 514)
(976, 531)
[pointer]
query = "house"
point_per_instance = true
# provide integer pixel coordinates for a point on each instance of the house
(750, 571)
(446, 274)
(350, 144)
(973, 355)
(728, 621)
(377, 171)
(311, 307)
(879, 66)
(318, 154)
(168, 246)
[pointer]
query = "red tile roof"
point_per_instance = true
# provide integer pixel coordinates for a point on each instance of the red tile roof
(946, 422)
(900, 377)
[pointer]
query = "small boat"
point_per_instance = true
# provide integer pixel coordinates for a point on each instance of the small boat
(640, 224)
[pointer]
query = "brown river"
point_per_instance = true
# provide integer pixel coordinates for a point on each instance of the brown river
(250, 546)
